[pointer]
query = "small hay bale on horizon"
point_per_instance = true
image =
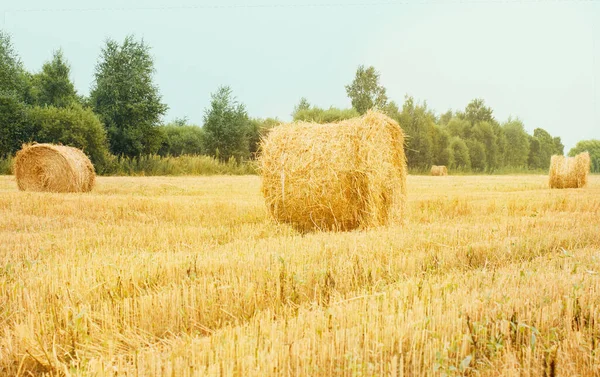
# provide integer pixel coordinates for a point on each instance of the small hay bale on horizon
(339, 176)
(53, 168)
(569, 172)
(439, 170)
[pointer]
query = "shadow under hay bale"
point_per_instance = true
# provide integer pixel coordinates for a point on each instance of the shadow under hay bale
(53, 168)
(439, 170)
(569, 172)
(339, 176)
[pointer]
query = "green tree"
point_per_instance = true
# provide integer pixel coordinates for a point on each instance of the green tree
(126, 99)
(301, 106)
(445, 118)
(14, 81)
(501, 144)
(477, 155)
(15, 93)
(226, 125)
(14, 128)
(534, 161)
(73, 126)
(517, 143)
(391, 109)
(459, 127)
(559, 147)
(476, 112)
(259, 128)
(52, 86)
(365, 92)
(441, 142)
(483, 132)
(546, 148)
(593, 148)
(418, 125)
(459, 154)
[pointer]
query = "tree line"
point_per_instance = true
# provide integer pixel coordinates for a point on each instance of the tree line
(469, 140)
(121, 118)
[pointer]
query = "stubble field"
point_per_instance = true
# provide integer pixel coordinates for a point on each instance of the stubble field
(490, 275)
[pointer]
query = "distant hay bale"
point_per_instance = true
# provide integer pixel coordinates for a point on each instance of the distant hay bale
(338, 176)
(439, 170)
(569, 172)
(53, 168)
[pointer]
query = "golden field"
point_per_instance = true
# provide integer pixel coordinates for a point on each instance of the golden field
(490, 275)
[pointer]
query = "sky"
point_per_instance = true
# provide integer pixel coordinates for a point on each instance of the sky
(538, 60)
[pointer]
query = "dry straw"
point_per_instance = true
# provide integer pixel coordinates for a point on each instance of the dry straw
(569, 172)
(338, 176)
(439, 170)
(53, 168)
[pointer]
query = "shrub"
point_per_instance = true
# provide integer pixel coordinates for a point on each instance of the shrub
(181, 140)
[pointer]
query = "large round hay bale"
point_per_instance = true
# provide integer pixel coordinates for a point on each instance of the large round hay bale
(53, 168)
(439, 170)
(569, 172)
(339, 176)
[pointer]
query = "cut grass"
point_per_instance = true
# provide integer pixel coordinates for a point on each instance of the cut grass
(188, 276)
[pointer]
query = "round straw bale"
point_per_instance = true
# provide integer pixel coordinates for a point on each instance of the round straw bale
(339, 176)
(439, 170)
(569, 172)
(53, 168)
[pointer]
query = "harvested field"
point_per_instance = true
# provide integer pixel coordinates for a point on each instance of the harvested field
(191, 277)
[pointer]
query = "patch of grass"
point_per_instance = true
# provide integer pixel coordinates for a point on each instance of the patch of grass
(154, 165)
(6, 166)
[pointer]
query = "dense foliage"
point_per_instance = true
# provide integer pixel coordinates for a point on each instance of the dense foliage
(126, 99)
(121, 120)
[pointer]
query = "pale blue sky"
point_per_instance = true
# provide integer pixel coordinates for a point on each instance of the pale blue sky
(535, 59)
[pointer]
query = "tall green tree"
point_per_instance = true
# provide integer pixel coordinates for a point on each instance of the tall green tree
(303, 105)
(14, 127)
(258, 129)
(126, 99)
(483, 132)
(392, 110)
(15, 94)
(559, 147)
(14, 80)
(517, 143)
(534, 160)
(593, 148)
(418, 125)
(53, 86)
(501, 144)
(365, 91)
(226, 126)
(459, 127)
(445, 118)
(546, 148)
(459, 154)
(477, 155)
(476, 112)
(441, 142)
